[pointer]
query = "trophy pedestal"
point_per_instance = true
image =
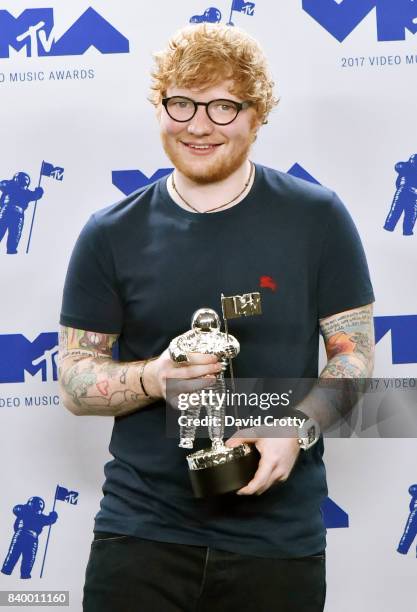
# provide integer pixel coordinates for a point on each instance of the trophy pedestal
(214, 471)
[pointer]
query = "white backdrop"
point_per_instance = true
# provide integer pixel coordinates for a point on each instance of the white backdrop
(348, 126)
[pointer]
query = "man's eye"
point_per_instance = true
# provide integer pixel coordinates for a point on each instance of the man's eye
(225, 107)
(180, 103)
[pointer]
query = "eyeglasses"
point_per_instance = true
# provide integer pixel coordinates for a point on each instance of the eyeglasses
(221, 111)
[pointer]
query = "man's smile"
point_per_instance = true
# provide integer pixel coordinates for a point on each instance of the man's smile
(201, 149)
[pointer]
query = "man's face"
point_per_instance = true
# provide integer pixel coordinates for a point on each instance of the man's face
(230, 144)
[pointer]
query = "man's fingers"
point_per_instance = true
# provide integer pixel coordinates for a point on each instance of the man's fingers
(199, 359)
(244, 435)
(259, 481)
(196, 371)
(190, 385)
(233, 442)
(186, 387)
(197, 366)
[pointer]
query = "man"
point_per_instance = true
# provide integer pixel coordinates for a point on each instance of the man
(219, 223)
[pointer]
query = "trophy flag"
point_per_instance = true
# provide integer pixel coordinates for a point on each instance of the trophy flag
(235, 306)
(244, 305)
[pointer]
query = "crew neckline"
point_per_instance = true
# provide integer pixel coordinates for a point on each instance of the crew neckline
(177, 211)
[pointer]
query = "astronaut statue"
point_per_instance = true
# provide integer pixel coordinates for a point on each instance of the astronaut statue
(405, 198)
(205, 337)
(14, 200)
(28, 525)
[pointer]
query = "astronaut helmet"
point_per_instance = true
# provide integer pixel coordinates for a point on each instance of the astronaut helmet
(413, 490)
(37, 504)
(22, 179)
(205, 320)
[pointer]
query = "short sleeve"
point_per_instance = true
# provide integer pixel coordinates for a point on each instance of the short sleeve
(343, 280)
(91, 300)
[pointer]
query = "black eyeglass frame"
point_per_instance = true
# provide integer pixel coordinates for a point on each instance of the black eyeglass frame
(239, 106)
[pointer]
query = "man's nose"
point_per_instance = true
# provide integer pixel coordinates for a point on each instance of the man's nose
(200, 123)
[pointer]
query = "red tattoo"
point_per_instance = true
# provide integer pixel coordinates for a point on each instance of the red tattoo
(340, 343)
(103, 387)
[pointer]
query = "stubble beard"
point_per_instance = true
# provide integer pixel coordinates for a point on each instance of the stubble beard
(212, 171)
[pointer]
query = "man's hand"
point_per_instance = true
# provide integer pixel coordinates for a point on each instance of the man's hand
(198, 366)
(93, 383)
(278, 456)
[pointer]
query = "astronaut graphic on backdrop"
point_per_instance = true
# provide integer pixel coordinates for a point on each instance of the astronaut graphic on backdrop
(28, 525)
(14, 200)
(205, 337)
(210, 15)
(410, 530)
(405, 198)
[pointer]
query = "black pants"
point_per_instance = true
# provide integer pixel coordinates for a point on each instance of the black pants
(128, 574)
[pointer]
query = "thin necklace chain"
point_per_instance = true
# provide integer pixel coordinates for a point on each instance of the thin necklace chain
(252, 167)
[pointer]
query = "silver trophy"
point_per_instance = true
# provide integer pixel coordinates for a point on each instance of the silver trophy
(218, 469)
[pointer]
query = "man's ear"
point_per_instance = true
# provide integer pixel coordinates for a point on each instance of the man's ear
(256, 124)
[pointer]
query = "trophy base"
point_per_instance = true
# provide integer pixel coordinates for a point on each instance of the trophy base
(222, 470)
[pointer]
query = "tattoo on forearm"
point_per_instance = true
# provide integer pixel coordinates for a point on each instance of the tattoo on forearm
(78, 381)
(123, 375)
(63, 344)
(342, 367)
(349, 340)
(81, 342)
(92, 379)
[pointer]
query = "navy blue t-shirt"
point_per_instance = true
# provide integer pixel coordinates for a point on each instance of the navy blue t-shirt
(140, 268)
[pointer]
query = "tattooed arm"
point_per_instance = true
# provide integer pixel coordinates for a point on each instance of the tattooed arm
(92, 383)
(349, 340)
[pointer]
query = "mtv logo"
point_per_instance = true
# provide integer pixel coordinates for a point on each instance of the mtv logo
(299, 172)
(57, 174)
(244, 305)
(333, 515)
(19, 357)
(33, 30)
(129, 181)
(341, 17)
(249, 9)
(403, 330)
(72, 497)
